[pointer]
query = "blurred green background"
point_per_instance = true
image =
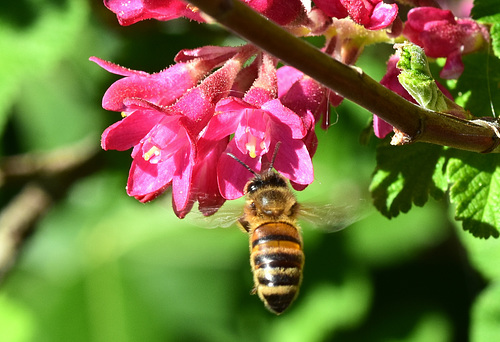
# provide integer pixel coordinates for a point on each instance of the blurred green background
(103, 267)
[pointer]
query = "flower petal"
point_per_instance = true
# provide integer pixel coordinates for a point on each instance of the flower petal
(332, 8)
(128, 132)
(231, 175)
(380, 127)
(117, 69)
(285, 116)
(147, 180)
(206, 53)
(221, 126)
(294, 162)
(131, 11)
(181, 184)
(453, 67)
(162, 88)
(382, 16)
(205, 186)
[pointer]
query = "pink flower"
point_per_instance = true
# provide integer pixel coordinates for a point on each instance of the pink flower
(441, 35)
(390, 81)
(256, 132)
(163, 158)
(259, 121)
(167, 86)
(129, 12)
(307, 98)
(205, 188)
(372, 14)
(281, 12)
(164, 116)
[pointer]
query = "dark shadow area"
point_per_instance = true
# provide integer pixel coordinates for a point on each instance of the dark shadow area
(22, 14)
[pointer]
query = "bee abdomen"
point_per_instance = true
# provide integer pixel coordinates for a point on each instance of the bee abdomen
(277, 261)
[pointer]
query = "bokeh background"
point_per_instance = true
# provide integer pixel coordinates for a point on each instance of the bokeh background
(100, 266)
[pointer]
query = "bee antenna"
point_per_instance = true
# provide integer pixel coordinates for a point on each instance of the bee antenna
(242, 163)
(276, 148)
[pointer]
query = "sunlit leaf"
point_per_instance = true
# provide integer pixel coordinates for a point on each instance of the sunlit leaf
(475, 191)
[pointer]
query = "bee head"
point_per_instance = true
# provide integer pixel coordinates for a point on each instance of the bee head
(266, 180)
(268, 195)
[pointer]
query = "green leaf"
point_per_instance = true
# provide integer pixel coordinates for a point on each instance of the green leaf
(406, 175)
(488, 12)
(417, 79)
(475, 190)
(477, 88)
(485, 9)
(495, 38)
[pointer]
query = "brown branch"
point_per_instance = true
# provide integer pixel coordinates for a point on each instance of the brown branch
(17, 222)
(44, 178)
(415, 123)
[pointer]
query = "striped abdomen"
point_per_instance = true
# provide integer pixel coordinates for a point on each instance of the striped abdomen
(277, 261)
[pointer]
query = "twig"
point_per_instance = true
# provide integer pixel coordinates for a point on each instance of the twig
(17, 222)
(417, 124)
(46, 177)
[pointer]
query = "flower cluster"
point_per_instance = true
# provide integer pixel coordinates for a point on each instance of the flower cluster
(178, 123)
(182, 122)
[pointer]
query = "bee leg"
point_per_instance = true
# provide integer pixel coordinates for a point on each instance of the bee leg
(244, 225)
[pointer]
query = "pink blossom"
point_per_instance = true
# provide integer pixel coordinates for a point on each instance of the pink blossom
(332, 8)
(390, 81)
(163, 158)
(259, 121)
(307, 98)
(281, 12)
(129, 12)
(256, 132)
(372, 14)
(167, 86)
(205, 188)
(163, 132)
(441, 35)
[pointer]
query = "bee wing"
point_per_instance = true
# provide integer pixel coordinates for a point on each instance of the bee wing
(332, 217)
(225, 217)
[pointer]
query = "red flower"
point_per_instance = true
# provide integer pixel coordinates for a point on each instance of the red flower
(256, 131)
(281, 12)
(164, 115)
(307, 98)
(129, 12)
(372, 14)
(259, 121)
(441, 35)
(163, 158)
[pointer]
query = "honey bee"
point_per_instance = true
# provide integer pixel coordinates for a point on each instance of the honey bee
(276, 256)
(270, 218)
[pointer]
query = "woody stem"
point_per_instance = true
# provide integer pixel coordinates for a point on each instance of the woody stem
(416, 123)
